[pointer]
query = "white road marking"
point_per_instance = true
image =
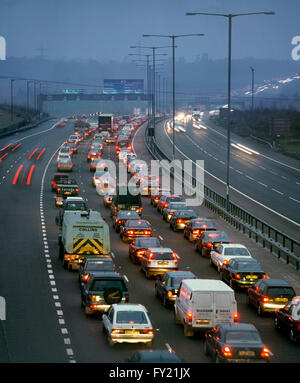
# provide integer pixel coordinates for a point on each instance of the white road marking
(262, 184)
(293, 199)
(277, 191)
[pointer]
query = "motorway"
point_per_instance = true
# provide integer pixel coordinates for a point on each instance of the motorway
(45, 322)
(264, 182)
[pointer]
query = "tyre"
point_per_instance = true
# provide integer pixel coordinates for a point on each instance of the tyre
(65, 264)
(260, 311)
(276, 324)
(176, 319)
(156, 292)
(187, 331)
(165, 302)
(205, 349)
(293, 338)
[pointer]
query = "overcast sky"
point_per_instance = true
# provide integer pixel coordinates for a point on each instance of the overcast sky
(105, 29)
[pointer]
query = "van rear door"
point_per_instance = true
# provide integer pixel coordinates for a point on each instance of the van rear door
(203, 309)
(224, 307)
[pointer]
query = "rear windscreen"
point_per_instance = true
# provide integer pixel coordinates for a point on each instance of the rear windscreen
(274, 292)
(101, 285)
(149, 242)
(242, 337)
(94, 266)
(129, 199)
(131, 317)
(162, 256)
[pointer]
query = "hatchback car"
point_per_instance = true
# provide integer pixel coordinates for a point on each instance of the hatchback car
(197, 226)
(287, 319)
(93, 153)
(170, 210)
(210, 240)
(134, 228)
(128, 323)
(99, 176)
(239, 342)
(158, 260)
(267, 295)
(139, 246)
(92, 265)
(122, 217)
(102, 290)
(166, 285)
(180, 218)
(64, 163)
(57, 177)
(227, 251)
(242, 272)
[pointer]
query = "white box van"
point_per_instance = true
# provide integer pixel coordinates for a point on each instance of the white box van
(201, 304)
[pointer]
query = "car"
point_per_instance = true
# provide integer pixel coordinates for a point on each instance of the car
(126, 198)
(134, 228)
(154, 356)
(136, 165)
(139, 246)
(242, 272)
(57, 177)
(64, 162)
(102, 290)
(59, 201)
(122, 217)
(93, 153)
(270, 294)
(65, 150)
(166, 285)
(67, 188)
(99, 176)
(210, 240)
(197, 226)
(72, 204)
(94, 161)
(225, 252)
(180, 218)
(92, 265)
(237, 342)
(148, 187)
(128, 323)
(172, 207)
(73, 146)
(122, 142)
(156, 196)
(164, 201)
(107, 198)
(287, 319)
(123, 154)
(158, 260)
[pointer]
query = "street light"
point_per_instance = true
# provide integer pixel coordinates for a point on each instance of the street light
(173, 37)
(229, 17)
(152, 132)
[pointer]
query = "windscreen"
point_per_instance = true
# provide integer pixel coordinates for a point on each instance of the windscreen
(131, 317)
(236, 251)
(175, 282)
(149, 242)
(137, 223)
(215, 237)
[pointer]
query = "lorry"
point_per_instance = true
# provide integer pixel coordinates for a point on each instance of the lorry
(201, 304)
(106, 122)
(196, 115)
(83, 234)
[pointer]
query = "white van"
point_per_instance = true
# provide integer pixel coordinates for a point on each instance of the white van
(202, 304)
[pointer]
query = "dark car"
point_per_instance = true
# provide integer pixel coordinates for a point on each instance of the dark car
(267, 295)
(93, 153)
(93, 163)
(157, 196)
(126, 199)
(166, 286)
(164, 201)
(241, 272)
(173, 206)
(73, 147)
(71, 204)
(154, 356)
(139, 246)
(287, 319)
(102, 290)
(180, 218)
(197, 226)
(92, 265)
(209, 240)
(239, 342)
(134, 228)
(122, 217)
(57, 177)
(67, 188)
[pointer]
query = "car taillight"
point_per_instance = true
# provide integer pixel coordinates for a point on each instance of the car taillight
(130, 232)
(195, 231)
(225, 262)
(58, 165)
(226, 351)
(140, 252)
(85, 277)
(265, 299)
(190, 317)
(166, 205)
(264, 276)
(237, 276)
(126, 297)
(235, 317)
(175, 257)
(147, 232)
(89, 297)
(58, 190)
(118, 331)
(170, 294)
(265, 352)
(209, 244)
(77, 190)
(179, 220)
(150, 257)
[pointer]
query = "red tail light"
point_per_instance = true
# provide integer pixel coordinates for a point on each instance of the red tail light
(166, 205)
(209, 244)
(140, 252)
(190, 317)
(235, 317)
(130, 232)
(85, 277)
(175, 258)
(195, 231)
(237, 276)
(226, 351)
(150, 257)
(265, 299)
(126, 297)
(179, 220)
(265, 352)
(264, 276)
(147, 232)
(225, 262)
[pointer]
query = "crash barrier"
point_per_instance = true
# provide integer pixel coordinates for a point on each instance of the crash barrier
(19, 127)
(278, 243)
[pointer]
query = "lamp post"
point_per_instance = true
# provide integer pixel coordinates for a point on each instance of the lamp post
(154, 54)
(252, 89)
(173, 37)
(229, 17)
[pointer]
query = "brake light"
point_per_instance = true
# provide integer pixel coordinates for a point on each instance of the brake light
(147, 232)
(58, 190)
(265, 352)
(265, 299)
(175, 258)
(86, 277)
(209, 244)
(225, 262)
(195, 231)
(170, 294)
(58, 165)
(264, 276)
(237, 276)
(150, 257)
(179, 220)
(166, 205)
(235, 317)
(126, 297)
(130, 232)
(118, 331)
(226, 351)
(190, 317)
(140, 252)
(77, 190)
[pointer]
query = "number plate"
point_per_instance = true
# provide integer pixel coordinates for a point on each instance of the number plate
(133, 332)
(246, 353)
(281, 299)
(251, 276)
(163, 263)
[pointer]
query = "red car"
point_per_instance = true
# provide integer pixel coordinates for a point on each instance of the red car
(57, 177)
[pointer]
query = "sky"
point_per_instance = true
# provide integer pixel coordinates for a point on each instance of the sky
(105, 29)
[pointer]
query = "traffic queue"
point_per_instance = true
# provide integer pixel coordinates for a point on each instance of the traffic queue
(200, 305)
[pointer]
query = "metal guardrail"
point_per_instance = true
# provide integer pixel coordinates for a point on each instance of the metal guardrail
(280, 244)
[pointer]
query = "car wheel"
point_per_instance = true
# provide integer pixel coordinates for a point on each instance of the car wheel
(260, 311)
(70, 267)
(104, 329)
(276, 324)
(156, 292)
(65, 264)
(202, 253)
(196, 248)
(293, 338)
(165, 302)
(176, 319)
(110, 341)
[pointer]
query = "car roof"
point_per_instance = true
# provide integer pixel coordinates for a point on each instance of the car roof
(160, 249)
(157, 356)
(107, 274)
(234, 245)
(276, 282)
(179, 273)
(129, 307)
(74, 199)
(238, 327)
